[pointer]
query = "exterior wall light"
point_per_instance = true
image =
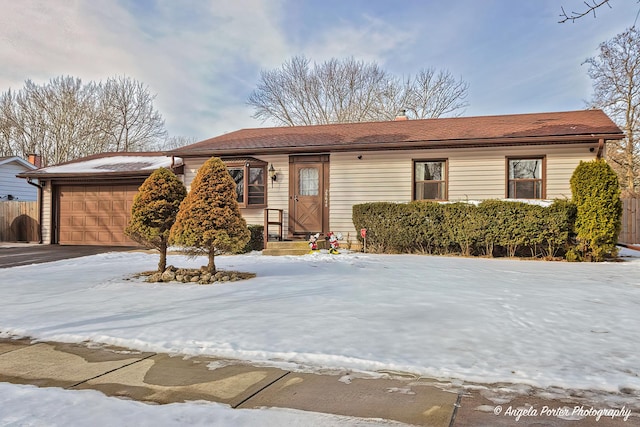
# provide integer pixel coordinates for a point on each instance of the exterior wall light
(273, 174)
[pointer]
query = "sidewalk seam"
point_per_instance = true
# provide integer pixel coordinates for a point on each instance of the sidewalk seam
(112, 370)
(262, 389)
(455, 409)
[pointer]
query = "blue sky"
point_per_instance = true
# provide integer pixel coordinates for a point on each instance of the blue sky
(203, 58)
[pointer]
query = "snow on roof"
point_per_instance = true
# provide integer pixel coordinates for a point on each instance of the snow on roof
(125, 163)
(16, 159)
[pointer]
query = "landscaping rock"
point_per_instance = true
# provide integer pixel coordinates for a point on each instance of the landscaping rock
(184, 275)
(155, 277)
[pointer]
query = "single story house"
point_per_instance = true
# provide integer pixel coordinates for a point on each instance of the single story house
(12, 187)
(313, 175)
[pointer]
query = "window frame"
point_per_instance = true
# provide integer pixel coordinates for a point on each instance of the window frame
(246, 165)
(542, 179)
(445, 180)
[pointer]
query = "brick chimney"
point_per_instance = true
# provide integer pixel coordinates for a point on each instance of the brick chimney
(35, 160)
(402, 115)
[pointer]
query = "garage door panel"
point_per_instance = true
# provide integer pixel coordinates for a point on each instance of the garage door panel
(119, 222)
(92, 205)
(91, 221)
(95, 214)
(77, 221)
(118, 205)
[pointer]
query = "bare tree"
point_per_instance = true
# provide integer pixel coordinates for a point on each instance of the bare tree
(173, 142)
(347, 91)
(590, 8)
(435, 94)
(127, 116)
(616, 82)
(65, 119)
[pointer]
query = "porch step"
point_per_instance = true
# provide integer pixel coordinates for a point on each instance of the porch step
(293, 247)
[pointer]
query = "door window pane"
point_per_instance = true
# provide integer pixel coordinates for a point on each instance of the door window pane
(308, 181)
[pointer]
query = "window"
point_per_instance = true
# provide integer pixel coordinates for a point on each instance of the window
(308, 181)
(525, 179)
(249, 176)
(430, 180)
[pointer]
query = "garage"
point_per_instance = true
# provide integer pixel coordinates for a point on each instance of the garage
(95, 214)
(88, 201)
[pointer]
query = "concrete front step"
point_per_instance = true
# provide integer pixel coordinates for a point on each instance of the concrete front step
(289, 244)
(290, 247)
(280, 252)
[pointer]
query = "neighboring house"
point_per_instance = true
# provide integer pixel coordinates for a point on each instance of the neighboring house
(12, 187)
(315, 174)
(88, 201)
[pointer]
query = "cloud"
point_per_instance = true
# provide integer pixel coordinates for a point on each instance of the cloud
(372, 39)
(198, 58)
(41, 40)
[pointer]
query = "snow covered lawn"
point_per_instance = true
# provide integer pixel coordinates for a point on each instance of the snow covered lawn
(544, 324)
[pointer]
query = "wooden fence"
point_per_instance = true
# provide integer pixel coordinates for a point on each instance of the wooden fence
(19, 222)
(630, 232)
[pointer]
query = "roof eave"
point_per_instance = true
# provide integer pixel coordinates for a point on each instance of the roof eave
(115, 174)
(408, 145)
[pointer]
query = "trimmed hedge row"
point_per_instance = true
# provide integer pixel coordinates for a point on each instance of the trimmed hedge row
(492, 228)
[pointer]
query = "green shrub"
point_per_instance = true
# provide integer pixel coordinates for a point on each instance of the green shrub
(493, 228)
(426, 222)
(154, 211)
(256, 242)
(596, 193)
(209, 219)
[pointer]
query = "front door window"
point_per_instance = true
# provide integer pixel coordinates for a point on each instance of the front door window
(308, 181)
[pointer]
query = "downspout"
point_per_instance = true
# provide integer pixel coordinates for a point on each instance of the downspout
(600, 148)
(40, 195)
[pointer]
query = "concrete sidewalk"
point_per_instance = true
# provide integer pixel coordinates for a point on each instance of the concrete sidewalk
(161, 378)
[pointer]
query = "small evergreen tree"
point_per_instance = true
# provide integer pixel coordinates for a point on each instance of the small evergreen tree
(596, 193)
(209, 219)
(154, 211)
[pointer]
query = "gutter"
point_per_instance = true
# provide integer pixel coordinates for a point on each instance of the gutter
(600, 148)
(402, 145)
(40, 195)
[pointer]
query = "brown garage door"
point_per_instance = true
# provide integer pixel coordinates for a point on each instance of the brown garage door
(95, 214)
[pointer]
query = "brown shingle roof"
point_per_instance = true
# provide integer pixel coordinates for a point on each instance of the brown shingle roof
(562, 127)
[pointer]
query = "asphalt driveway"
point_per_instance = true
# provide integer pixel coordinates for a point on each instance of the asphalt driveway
(16, 255)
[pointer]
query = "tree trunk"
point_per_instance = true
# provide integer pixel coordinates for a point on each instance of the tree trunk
(162, 264)
(211, 267)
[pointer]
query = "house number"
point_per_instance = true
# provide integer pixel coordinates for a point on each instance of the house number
(326, 198)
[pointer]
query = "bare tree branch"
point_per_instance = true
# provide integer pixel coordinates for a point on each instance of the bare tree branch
(348, 91)
(591, 7)
(616, 84)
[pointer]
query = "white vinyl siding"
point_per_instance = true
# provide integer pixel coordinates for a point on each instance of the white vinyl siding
(47, 206)
(473, 174)
(277, 192)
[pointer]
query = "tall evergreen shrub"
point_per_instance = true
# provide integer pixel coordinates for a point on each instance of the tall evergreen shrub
(209, 220)
(154, 211)
(596, 193)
